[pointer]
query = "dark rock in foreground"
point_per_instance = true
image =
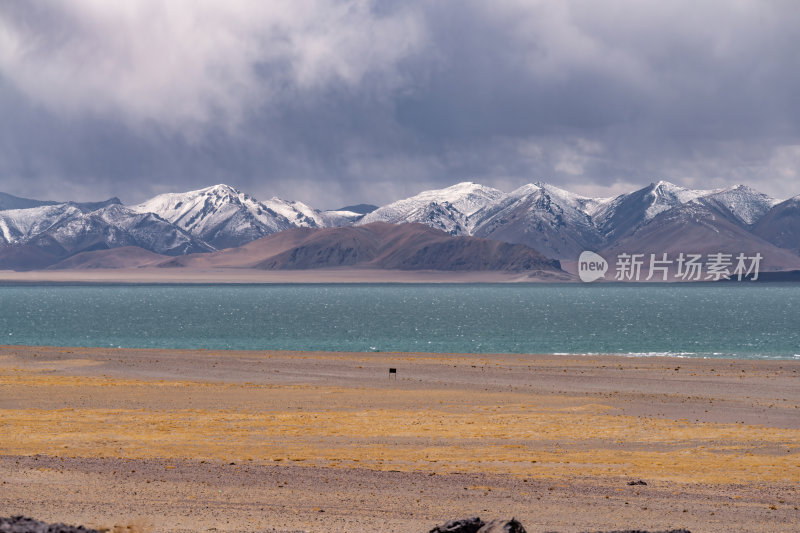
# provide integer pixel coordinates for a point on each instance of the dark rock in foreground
(476, 525)
(503, 526)
(464, 525)
(22, 524)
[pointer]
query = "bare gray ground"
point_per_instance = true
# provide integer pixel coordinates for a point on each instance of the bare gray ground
(223, 497)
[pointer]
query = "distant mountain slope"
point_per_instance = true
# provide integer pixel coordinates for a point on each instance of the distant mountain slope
(8, 201)
(628, 212)
(698, 229)
(361, 209)
(339, 218)
(301, 215)
(543, 217)
(123, 257)
(40, 236)
(781, 225)
(745, 206)
(25, 257)
(377, 245)
(151, 232)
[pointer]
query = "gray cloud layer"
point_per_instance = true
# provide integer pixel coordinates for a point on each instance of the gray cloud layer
(332, 102)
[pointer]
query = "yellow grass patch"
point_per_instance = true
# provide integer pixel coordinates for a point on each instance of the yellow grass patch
(386, 429)
(512, 439)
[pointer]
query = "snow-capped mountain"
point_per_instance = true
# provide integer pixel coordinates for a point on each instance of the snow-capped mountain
(696, 227)
(8, 201)
(359, 209)
(626, 213)
(454, 210)
(220, 215)
(171, 224)
(69, 228)
(544, 217)
(19, 225)
(302, 216)
(559, 223)
(151, 232)
(555, 222)
(745, 205)
(225, 217)
(336, 218)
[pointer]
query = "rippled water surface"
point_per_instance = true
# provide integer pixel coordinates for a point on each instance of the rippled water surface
(724, 320)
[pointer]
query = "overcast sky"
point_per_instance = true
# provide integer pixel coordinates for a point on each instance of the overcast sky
(336, 102)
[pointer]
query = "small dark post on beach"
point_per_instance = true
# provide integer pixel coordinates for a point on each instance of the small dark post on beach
(393, 371)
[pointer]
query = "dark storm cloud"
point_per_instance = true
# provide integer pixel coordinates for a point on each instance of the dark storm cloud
(334, 102)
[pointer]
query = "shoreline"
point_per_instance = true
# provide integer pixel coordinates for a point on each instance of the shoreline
(632, 356)
(674, 357)
(343, 275)
(254, 276)
(189, 440)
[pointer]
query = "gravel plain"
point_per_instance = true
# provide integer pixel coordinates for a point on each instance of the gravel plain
(184, 441)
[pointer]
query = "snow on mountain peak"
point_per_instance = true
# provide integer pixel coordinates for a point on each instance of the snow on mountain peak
(448, 209)
(220, 191)
(667, 195)
(221, 187)
(552, 219)
(585, 204)
(17, 225)
(575, 200)
(744, 203)
(297, 213)
(467, 197)
(220, 215)
(525, 190)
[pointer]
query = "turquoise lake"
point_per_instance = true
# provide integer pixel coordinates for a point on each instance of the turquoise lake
(741, 320)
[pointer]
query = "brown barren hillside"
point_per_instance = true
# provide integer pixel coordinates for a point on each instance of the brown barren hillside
(781, 226)
(697, 229)
(378, 245)
(125, 257)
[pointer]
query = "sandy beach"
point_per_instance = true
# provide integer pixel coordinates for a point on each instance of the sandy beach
(314, 441)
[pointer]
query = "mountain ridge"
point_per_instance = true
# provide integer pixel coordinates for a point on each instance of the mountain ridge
(556, 222)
